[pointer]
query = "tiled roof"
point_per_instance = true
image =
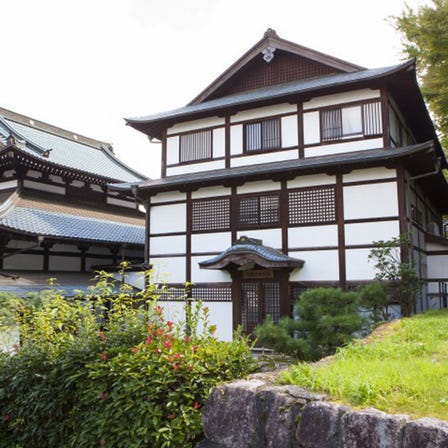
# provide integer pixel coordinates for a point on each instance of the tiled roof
(246, 249)
(47, 219)
(272, 92)
(53, 145)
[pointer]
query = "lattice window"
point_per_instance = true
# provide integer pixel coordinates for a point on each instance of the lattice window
(210, 214)
(271, 300)
(312, 205)
(331, 124)
(259, 210)
(212, 294)
(196, 146)
(371, 113)
(171, 294)
(263, 135)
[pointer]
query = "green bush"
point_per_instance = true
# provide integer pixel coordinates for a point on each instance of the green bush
(104, 372)
(325, 318)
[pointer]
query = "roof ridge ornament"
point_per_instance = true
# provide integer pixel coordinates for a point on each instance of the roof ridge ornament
(270, 33)
(268, 54)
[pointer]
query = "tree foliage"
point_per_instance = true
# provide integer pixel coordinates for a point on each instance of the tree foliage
(425, 37)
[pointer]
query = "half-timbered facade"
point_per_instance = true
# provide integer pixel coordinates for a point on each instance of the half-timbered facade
(57, 217)
(282, 173)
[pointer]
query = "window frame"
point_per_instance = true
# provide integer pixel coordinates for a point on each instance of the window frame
(261, 122)
(188, 134)
(211, 229)
(259, 224)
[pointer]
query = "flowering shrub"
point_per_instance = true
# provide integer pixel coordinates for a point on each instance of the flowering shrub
(131, 380)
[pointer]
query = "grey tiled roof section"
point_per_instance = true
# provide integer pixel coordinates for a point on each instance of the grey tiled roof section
(69, 153)
(311, 163)
(67, 226)
(273, 92)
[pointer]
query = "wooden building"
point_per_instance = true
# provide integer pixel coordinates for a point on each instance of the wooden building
(282, 173)
(57, 216)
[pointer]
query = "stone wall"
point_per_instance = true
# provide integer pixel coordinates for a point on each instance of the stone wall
(255, 413)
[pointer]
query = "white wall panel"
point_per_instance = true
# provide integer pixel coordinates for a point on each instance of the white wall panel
(262, 112)
(221, 315)
(210, 192)
(196, 124)
(236, 139)
(370, 201)
(195, 168)
(255, 187)
(24, 262)
(199, 275)
(340, 98)
(59, 263)
(172, 150)
(121, 203)
(275, 156)
(343, 147)
(169, 196)
(320, 265)
(219, 142)
(173, 311)
(289, 131)
(269, 237)
(311, 128)
(311, 180)
(437, 266)
(168, 218)
(368, 232)
(167, 245)
(210, 242)
(170, 269)
(43, 187)
(358, 267)
(369, 174)
(8, 184)
(313, 236)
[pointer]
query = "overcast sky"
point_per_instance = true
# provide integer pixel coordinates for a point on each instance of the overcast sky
(84, 65)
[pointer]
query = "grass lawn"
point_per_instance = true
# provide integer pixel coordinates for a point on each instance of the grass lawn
(402, 367)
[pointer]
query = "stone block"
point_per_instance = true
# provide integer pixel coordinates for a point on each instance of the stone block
(426, 433)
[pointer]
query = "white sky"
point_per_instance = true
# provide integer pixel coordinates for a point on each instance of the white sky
(83, 65)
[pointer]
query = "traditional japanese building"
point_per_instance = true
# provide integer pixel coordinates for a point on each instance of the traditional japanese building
(281, 174)
(57, 216)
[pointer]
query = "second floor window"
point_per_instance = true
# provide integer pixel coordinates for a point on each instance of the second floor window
(196, 146)
(259, 210)
(262, 135)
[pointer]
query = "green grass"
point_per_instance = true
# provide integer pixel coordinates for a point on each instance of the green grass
(401, 368)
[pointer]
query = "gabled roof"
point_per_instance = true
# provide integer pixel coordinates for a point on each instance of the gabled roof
(247, 252)
(267, 46)
(62, 148)
(50, 217)
(153, 125)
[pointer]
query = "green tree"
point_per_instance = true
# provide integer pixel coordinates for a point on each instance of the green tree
(425, 36)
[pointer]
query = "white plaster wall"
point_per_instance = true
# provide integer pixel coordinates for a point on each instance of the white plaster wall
(196, 124)
(210, 192)
(320, 265)
(199, 275)
(172, 150)
(121, 203)
(357, 265)
(369, 174)
(262, 112)
(173, 310)
(169, 196)
(136, 279)
(24, 262)
(9, 173)
(289, 131)
(210, 242)
(43, 187)
(236, 139)
(340, 98)
(20, 244)
(96, 187)
(314, 236)
(270, 237)
(99, 250)
(219, 142)
(195, 168)
(169, 269)
(8, 184)
(370, 201)
(33, 173)
(78, 183)
(161, 245)
(437, 266)
(168, 218)
(221, 315)
(367, 232)
(66, 248)
(9, 337)
(311, 128)
(343, 147)
(255, 187)
(60, 263)
(270, 157)
(55, 178)
(311, 180)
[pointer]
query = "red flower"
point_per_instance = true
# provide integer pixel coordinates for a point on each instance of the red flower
(157, 350)
(177, 355)
(169, 324)
(186, 339)
(103, 357)
(148, 340)
(176, 366)
(196, 405)
(194, 348)
(167, 344)
(134, 349)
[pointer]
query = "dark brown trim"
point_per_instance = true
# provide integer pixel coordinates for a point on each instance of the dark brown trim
(195, 162)
(284, 214)
(156, 235)
(199, 129)
(168, 255)
(179, 201)
(372, 181)
(261, 150)
(300, 131)
(266, 151)
(227, 141)
(147, 248)
(311, 249)
(367, 220)
(385, 117)
(164, 154)
(345, 104)
(234, 213)
(264, 117)
(343, 140)
(403, 218)
(341, 231)
(188, 239)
